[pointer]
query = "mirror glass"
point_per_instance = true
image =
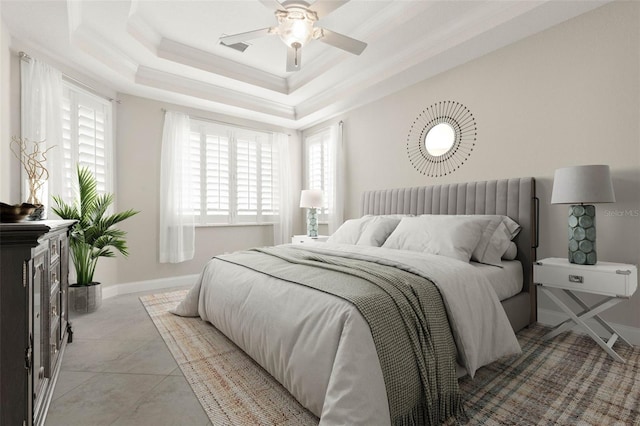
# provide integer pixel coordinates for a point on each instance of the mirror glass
(440, 139)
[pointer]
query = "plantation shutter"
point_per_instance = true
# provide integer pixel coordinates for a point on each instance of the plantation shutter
(86, 138)
(68, 167)
(196, 175)
(91, 140)
(237, 173)
(269, 167)
(319, 174)
(247, 177)
(217, 195)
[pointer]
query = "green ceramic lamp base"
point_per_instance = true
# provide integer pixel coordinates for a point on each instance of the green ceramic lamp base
(312, 222)
(582, 235)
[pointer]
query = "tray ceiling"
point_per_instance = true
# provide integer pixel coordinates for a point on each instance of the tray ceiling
(168, 50)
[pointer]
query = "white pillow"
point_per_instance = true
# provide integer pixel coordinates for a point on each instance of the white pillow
(377, 230)
(445, 235)
(349, 232)
(495, 239)
(511, 253)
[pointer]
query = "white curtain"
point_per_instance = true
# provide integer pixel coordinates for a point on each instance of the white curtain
(177, 228)
(282, 229)
(41, 119)
(336, 158)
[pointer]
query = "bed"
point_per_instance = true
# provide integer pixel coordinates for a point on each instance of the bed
(320, 346)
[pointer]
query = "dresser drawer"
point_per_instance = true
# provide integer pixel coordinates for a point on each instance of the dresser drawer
(54, 351)
(54, 249)
(54, 312)
(54, 279)
(604, 278)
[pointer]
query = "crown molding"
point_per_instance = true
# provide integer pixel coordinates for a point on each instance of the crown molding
(96, 46)
(197, 58)
(199, 89)
(140, 30)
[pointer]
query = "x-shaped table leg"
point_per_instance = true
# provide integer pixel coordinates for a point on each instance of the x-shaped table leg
(587, 313)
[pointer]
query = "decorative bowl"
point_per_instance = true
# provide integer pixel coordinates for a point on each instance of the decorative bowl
(15, 213)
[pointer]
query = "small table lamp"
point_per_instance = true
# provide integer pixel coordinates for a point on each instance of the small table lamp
(579, 185)
(311, 199)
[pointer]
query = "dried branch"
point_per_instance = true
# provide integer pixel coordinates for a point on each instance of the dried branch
(33, 160)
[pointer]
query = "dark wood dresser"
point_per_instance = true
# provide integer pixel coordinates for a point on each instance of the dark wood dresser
(34, 294)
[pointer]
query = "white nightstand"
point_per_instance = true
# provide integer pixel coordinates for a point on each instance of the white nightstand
(301, 239)
(616, 281)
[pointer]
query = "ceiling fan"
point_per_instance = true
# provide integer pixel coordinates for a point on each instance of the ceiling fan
(296, 19)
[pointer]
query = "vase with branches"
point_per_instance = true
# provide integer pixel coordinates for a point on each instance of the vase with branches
(33, 157)
(94, 235)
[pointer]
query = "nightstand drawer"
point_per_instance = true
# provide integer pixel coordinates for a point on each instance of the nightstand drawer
(301, 239)
(612, 279)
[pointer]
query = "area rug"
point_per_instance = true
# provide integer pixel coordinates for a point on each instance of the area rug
(566, 381)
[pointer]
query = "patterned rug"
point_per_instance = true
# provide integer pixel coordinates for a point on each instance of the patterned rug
(566, 381)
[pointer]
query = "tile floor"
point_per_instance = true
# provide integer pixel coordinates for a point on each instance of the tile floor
(118, 371)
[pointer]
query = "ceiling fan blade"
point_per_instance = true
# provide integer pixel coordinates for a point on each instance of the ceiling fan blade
(343, 42)
(249, 35)
(325, 7)
(272, 4)
(294, 57)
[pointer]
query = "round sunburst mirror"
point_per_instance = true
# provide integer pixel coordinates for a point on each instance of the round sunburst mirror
(441, 138)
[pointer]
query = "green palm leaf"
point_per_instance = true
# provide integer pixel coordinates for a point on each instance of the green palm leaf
(94, 236)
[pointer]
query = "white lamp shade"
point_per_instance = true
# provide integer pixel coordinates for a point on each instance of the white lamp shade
(310, 198)
(583, 184)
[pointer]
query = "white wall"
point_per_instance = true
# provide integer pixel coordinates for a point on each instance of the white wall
(139, 137)
(567, 96)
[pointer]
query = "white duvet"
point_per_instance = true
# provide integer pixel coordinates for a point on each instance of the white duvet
(320, 347)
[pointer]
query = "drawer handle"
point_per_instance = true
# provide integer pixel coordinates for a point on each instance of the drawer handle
(625, 272)
(578, 279)
(28, 355)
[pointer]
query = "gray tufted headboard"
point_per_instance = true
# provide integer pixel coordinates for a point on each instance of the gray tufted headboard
(511, 197)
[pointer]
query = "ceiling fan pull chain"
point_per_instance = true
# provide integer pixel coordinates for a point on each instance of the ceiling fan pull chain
(296, 46)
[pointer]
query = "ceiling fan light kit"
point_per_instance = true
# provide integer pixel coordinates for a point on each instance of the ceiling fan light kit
(295, 26)
(296, 20)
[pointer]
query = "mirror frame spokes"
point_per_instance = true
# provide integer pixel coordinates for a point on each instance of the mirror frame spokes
(464, 128)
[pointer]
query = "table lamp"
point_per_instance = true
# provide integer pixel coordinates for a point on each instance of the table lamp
(311, 199)
(582, 186)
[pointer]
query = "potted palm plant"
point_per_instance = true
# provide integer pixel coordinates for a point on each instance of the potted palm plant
(92, 237)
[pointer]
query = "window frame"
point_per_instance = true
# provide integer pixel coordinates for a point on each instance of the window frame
(320, 137)
(234, 134)
(75, 96)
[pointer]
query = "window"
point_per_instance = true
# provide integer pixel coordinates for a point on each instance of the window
(235, 174)
(86, 138)
(319, 168)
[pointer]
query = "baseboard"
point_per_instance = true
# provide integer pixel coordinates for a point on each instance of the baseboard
(149, 285)
(549, 317)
